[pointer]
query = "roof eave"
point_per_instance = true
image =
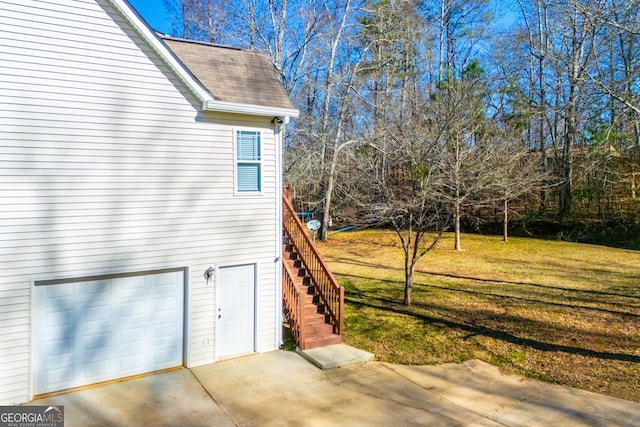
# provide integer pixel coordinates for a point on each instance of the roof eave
(249, 109)
(209, 103)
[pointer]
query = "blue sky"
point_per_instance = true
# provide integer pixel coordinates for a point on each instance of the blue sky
(154, 12)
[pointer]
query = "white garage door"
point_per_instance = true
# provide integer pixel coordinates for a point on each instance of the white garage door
(92, 331)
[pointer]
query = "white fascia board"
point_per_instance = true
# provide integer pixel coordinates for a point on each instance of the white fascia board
(149, 36)
(249, 109)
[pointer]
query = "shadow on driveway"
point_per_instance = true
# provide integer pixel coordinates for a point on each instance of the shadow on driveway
(281, 388)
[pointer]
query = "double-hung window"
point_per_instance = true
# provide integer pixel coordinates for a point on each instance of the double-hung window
(248, 162)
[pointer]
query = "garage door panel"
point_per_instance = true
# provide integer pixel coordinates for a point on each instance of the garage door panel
(98, 314)
(166, 280)
(164, 331)
(96, 346)
(165, 305)
(60, 375)
(98, 370)
(134, 309)
(129, 335)
(87, 332)
(131, 362)
(98, 289)
(62, 361)
(164, 356)
(61, 319)
(52, 292)
(58, 347)
(133, 284)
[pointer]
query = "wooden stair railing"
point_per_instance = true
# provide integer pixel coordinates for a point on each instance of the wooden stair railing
(310, 292)
(293, 305)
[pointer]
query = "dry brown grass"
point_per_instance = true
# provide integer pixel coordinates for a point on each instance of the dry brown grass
(563, 312)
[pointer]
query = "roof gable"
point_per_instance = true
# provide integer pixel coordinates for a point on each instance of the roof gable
(232, 75)
(235, 94)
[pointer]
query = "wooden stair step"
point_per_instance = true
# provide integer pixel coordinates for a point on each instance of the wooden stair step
(296, 267)
(319, 330)
(310, 300)
(322, 341)
(312, 309)
(309, 295)
(317, 319)
(300, 282)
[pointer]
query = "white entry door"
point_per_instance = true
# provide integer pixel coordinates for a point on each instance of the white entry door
(92, 331)
(235, 316)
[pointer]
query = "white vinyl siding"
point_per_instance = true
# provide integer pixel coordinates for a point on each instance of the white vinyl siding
(248, 161)
(108, 165)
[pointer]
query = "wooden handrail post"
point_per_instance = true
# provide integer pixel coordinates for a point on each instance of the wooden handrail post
(301, 323)
(341, 328)
(287, 193)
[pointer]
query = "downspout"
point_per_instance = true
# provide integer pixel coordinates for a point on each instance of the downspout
(278, 131)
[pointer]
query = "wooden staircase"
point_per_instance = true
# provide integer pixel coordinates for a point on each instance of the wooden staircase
(313, 302)
(318, 327)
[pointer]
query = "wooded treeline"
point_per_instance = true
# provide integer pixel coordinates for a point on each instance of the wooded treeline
(439, 114)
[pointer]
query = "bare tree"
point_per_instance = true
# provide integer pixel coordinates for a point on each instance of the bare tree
(468, 153)
(517, 174)
(616, 135)
(536, 21)
(406, 198)
(391, 33)
(333, 141)
(460, 25)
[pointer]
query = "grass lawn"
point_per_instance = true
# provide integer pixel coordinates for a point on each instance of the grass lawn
(563, 312)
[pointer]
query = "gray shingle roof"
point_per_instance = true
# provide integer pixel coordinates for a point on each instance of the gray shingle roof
(231, 75)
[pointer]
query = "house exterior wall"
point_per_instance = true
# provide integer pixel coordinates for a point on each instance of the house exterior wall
(108, 165)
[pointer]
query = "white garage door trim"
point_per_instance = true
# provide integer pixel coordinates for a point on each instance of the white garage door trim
(100, 328)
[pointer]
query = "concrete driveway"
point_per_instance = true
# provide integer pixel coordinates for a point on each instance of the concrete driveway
(281, 388)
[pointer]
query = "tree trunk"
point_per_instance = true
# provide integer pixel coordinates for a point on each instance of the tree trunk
(329, 175)
(408, 282)
(566, 201)
(543, 42)
(331, 178)
(324, 228)
(457, 246)
(542, 136)
(505, 221)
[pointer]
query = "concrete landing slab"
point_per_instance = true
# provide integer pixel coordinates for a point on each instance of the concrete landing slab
(336, 356)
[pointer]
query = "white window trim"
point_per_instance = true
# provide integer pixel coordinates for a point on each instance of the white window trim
(260, 162)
